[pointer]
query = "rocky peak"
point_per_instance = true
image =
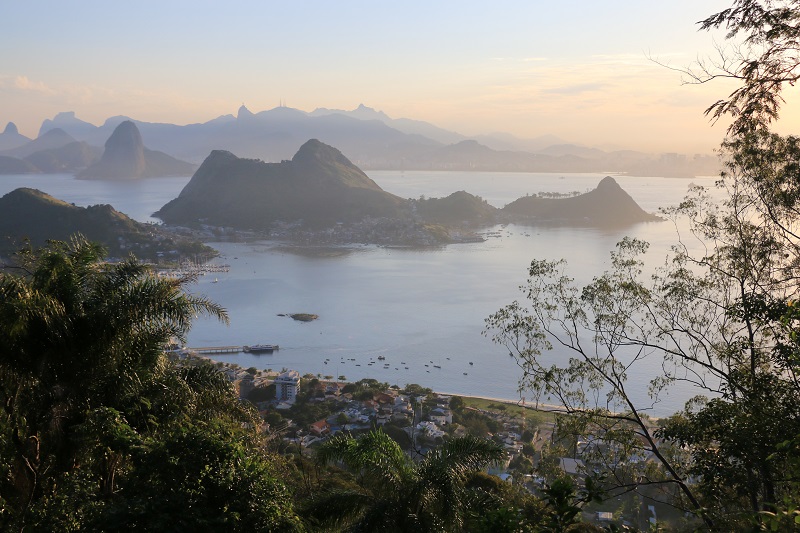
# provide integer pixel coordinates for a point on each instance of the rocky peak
(608, 184)
(125, 157)
(244, 113)
(125, 139)
(124, 151)
(314, 150)
(368, 113)
(317, 161)
(11, 129)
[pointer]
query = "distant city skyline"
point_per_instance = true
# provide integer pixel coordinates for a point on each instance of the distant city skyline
(582, 71)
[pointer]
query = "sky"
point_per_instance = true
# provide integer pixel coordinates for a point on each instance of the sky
(590, 72)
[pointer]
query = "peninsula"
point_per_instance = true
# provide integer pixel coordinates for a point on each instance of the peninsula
(29, 215)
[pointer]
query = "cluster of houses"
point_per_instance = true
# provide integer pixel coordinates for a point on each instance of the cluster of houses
(358, 415)
(405, 410)
(428, 425)
(384, 407)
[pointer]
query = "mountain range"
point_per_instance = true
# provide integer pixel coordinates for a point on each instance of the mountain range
(318, 194)
(320, 189)
(373, 140)
(124, 156)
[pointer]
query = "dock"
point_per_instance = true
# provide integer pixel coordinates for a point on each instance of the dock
(216, 349)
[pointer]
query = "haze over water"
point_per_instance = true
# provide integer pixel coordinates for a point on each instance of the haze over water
(413, 307)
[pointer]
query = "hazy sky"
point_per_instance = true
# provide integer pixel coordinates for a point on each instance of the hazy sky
(575, 69)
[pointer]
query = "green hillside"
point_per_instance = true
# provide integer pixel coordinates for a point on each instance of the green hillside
(29, 214)
(319, 186)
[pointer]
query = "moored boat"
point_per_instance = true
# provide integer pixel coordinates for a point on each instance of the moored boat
(260, 348)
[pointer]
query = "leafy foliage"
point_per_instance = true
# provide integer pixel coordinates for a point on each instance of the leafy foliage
(94, 412)
(396, 494)
(764, 60)
(720, 313)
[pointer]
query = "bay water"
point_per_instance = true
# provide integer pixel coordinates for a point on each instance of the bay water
(421, 310)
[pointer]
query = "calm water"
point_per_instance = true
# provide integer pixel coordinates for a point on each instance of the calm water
(413, 307)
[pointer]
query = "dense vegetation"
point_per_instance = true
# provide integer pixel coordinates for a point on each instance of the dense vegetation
(101, 431)
(33, 217)
(98, 428)
(721, 315)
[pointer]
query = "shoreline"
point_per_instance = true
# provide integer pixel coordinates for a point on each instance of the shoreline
(535, 406)
(538, 406)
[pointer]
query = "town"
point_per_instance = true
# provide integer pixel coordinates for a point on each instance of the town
(299, 412)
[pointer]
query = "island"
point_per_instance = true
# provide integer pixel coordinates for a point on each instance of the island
(304, 317)
(321, 197)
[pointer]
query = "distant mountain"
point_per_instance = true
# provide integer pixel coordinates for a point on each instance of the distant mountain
(495, 141)
(11, 137)
(67, 121)
(373, 141)
(69, 158)
(506, 141)
(36, 216)
(405, 125)
(574, 150)
(472, 156)
(14, 165)
(606, 206)
(125, 157)
(319, 187)
(55, 138)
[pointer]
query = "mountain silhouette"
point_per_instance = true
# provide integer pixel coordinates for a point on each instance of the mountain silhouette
(30, 214)
(70, 158)
(125, 157)
(55, 138)
(318, 186)
(373, 141)
(11, 137)
(608, 205)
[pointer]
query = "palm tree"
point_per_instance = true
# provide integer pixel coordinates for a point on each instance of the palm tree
(77, 335)
(394, 493)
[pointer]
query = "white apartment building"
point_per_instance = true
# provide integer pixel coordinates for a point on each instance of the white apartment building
(286, 385)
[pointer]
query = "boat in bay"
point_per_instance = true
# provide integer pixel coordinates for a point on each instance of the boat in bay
(260, 348)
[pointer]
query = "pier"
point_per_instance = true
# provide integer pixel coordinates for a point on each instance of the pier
(216, 349)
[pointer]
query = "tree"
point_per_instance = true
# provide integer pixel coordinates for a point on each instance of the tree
(509, 508)
(719, 314)
(394, 493)
(456, 403)
(88, 393)
(219, 483)
(764, 61)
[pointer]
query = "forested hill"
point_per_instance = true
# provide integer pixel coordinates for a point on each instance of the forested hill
(606, 206)
(318, 186)
(29, 214)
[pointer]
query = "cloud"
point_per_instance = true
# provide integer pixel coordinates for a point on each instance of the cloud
(23, 83)
(520, 59)
(575, 89)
